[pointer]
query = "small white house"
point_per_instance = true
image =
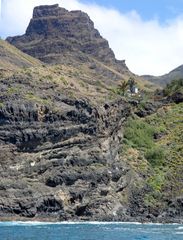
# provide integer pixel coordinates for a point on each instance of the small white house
(135, 90)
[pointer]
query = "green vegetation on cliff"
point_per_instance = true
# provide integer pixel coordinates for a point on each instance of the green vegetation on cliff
(158, 139)
(173, 87)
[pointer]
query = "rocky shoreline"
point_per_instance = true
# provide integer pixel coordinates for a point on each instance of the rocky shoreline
(57, 220)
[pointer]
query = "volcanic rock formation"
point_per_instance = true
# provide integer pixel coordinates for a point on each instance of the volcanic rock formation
(62, 154)
(55, 35)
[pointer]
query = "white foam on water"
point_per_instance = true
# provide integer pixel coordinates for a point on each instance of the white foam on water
(179, 233)
(180, 228)
(36, 223)
(26, 223)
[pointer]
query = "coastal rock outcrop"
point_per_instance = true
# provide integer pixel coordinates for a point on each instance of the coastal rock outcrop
(62, 165)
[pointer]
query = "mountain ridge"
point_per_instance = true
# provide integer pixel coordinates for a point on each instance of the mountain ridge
(165, 79)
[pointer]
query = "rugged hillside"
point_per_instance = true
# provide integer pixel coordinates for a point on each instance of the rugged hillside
(64, 157)
(71, 147)
(11, 58)
(56, 35)
(163, 80)
(59, 152)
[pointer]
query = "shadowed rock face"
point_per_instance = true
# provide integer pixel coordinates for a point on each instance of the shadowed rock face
(64, 164)
(58, 151)
(55, 35)
(59, 155)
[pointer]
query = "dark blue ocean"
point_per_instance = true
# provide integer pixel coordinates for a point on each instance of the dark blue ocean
(89, 231)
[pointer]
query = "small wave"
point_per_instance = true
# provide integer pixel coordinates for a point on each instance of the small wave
(32, 223)
(179, 228)
(67, 222)
(179, 233)
(26, 223)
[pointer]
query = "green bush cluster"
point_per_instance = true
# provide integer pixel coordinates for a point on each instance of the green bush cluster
(155, 156)
(174, 86)
(139, 134)
(156, 182)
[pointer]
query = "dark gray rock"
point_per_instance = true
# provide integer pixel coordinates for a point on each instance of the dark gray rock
(176, 97)
(62, 165)
(55, 35)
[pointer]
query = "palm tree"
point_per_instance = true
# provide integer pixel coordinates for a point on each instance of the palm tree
(122, 87)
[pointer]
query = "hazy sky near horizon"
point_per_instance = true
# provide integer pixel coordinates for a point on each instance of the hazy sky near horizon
(148, 34)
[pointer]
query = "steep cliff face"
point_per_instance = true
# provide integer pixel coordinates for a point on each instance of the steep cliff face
(55, 35)
(60, 162)
(63, 155)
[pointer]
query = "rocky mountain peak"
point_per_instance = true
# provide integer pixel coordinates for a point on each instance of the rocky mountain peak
(46, 10)
(53, 20)
(56, 35)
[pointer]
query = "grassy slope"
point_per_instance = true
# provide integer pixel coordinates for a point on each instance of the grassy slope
(12, 59)
(159, 159)
(77, 82)
(54, 80)
(142, 83)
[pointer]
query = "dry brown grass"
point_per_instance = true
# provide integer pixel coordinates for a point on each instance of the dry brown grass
(12, 59)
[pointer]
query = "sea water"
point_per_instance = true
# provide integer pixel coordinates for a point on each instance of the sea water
(89, 231)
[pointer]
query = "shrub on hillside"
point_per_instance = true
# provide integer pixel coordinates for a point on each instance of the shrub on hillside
(139, 134)
(174, 86)
(155, 156)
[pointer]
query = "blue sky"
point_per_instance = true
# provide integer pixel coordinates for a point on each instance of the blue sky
(148, 9)
(148, 34)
